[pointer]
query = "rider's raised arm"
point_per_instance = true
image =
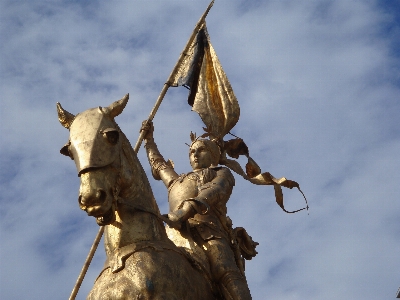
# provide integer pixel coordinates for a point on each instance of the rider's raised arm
(161, 169)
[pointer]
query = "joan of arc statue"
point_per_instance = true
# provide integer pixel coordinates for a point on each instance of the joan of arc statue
(199, 198)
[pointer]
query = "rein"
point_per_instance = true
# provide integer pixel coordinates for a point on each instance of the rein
(163, 218)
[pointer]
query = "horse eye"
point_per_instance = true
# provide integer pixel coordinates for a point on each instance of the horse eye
(111, 135)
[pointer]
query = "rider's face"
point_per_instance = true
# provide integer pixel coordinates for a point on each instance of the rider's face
(200, 157)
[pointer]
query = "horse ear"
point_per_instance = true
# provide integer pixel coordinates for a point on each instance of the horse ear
(117, 107)
(64, 116)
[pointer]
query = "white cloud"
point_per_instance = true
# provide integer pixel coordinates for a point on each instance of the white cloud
(317, 82)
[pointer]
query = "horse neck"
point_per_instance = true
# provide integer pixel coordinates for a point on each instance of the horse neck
(137, 209)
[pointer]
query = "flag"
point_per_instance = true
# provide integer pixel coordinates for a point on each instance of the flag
(212, 97)
(211, 94)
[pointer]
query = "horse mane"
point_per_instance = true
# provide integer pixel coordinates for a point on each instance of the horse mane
(145, 197)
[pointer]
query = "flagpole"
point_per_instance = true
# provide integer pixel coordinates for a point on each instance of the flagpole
(86, 264)
(174, 70)
(139, 142)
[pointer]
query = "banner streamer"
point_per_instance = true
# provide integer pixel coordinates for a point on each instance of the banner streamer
(211, 96)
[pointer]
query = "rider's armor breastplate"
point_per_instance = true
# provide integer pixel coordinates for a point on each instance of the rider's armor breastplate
(183, 188)
(186, 187)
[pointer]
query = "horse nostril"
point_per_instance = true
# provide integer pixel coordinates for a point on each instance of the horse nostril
(101, 195)
(94, 198)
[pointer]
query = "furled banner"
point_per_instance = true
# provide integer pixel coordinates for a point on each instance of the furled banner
(212, 97)
(211, 94)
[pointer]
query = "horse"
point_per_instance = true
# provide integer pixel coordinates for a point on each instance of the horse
(141, 261)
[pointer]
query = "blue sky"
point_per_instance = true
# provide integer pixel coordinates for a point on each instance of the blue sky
(318, 86)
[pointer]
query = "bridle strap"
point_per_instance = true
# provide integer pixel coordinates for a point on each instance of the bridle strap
(139, 208)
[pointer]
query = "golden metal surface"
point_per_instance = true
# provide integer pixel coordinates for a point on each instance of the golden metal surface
(212, 97)
(175, 73)
(142, 262)
(211, 94)
(198, 255)
(198, 206)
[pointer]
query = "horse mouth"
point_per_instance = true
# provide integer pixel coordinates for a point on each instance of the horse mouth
(107, 218)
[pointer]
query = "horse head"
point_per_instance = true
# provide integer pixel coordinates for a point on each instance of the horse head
(141, 260)
(95, 146)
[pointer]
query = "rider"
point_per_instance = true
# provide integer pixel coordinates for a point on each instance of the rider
(200, 197)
